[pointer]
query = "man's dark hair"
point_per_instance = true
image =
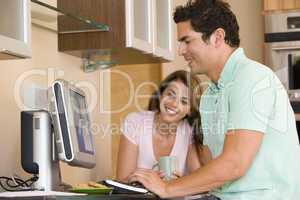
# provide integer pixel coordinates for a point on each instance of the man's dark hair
(208, 15)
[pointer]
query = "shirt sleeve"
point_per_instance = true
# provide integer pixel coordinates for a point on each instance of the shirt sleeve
(130, 126)
(251, 102)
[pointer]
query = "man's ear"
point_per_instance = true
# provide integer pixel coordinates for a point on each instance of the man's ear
(218, 37)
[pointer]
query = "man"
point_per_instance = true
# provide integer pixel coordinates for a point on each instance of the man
(247, 121)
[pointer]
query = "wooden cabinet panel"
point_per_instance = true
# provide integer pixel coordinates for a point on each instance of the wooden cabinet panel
(272, 4)
(297, 3)
(288, 4)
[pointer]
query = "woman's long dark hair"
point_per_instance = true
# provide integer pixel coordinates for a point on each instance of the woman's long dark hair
(193, 83)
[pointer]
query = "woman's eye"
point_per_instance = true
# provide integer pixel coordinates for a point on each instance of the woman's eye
(171, 94)
(184, 102)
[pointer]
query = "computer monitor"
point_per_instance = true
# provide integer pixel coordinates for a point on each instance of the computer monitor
(72, 126)
(63, 132)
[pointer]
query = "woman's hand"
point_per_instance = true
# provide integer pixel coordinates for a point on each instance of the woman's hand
(151, 180)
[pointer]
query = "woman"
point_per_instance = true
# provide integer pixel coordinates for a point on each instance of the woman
(168, 128)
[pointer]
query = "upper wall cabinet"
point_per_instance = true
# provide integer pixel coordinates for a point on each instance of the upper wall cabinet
(15, 29)
(139, 24)
(274, 5)
(163, 29)
(140, 31)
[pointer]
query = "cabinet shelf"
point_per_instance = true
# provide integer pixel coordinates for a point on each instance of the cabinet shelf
(78, 24)
(85, 24)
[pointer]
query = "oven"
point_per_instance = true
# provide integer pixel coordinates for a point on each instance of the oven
(282, 53)
(286, 64)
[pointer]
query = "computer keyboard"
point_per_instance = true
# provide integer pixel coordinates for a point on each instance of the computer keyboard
(124, 188)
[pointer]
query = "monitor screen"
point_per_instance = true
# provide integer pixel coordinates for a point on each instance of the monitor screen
(72, 125)
(81, 123)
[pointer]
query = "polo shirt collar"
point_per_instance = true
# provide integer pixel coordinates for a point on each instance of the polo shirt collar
(227, 73)
(229, 69)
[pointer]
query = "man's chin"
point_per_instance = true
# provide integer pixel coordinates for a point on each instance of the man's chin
(198, 73)
(196, 70)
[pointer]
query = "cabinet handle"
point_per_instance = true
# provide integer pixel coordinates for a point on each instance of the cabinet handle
(286, 48)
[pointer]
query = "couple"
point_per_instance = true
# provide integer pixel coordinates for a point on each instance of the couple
(247, 122)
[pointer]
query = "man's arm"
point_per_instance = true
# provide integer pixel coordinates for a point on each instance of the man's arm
(240, 148)
(239, 151)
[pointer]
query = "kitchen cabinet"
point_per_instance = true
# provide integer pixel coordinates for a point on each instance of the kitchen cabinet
(163, 29)
(15, 29)
(140, 31)
(275, 5)
(288, 4)
(272, 5)
(298, 3)
(139, 24)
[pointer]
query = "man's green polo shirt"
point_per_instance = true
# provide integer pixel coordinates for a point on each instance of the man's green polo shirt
(249, 96)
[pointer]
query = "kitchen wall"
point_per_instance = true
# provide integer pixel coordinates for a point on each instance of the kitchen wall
(112, 93)
(45, 56)
(46, 65)
(248, 13)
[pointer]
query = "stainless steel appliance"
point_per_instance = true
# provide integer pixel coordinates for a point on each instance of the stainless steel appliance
(282, 51)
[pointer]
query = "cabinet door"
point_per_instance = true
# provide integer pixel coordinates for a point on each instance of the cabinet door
(272, 5)
(15, 26)
(297, 2)
(163, 29)
(288, 4)
(139, 30)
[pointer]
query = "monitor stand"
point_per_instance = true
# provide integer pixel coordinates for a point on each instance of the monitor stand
(38, 152)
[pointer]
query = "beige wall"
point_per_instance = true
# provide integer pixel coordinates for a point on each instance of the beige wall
(130, 95)
(45, 55)
(250, 19)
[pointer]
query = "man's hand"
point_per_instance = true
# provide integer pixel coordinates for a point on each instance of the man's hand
(151, 180)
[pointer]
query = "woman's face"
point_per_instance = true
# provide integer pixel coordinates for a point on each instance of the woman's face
(174, 102)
